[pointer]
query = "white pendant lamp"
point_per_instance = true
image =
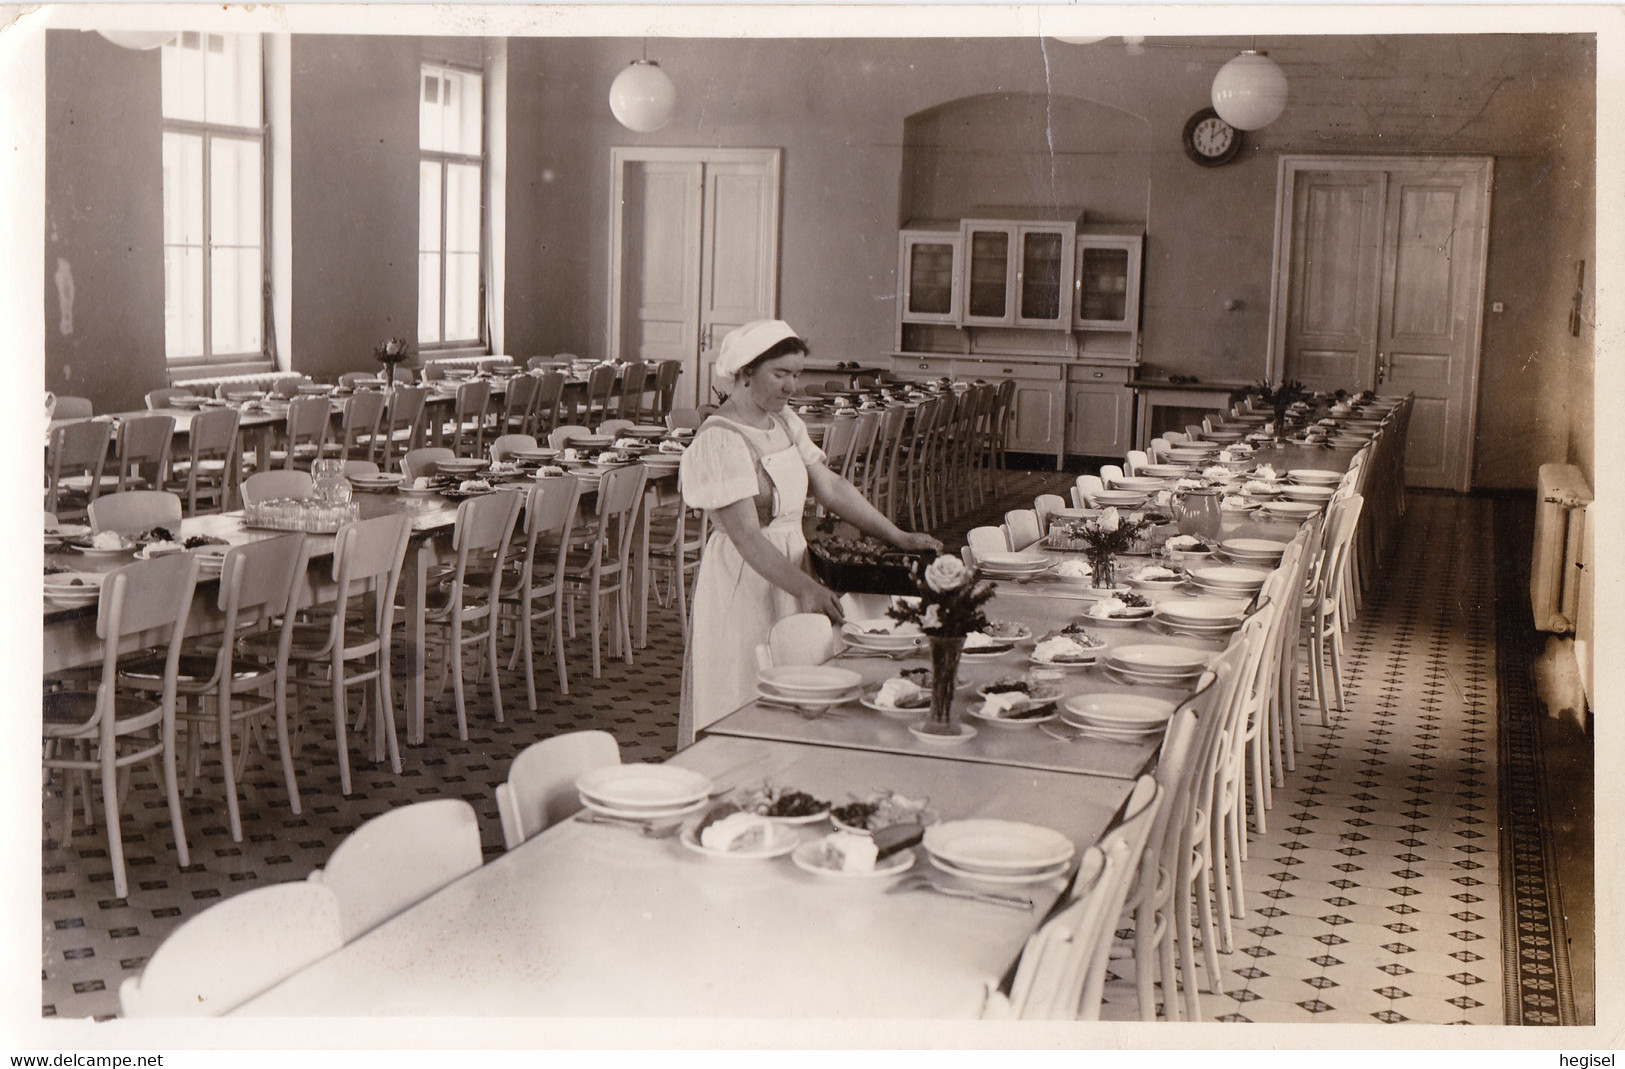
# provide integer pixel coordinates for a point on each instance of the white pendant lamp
(1249, 92)
(643, 96)
(143, 40)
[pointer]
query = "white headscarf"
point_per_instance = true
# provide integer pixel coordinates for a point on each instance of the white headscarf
(743, 344)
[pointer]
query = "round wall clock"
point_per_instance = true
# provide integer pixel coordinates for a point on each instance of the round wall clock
(1209, 140)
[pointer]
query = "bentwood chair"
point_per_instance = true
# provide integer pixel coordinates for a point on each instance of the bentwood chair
(600, 394)
(677, 536)
(276, 486)
(134, 511)
(601, 568)
(162, 397)
(634, 381)
(550, 514)
(518, 413)
(212, 466)
(351, 645)
(75, 449)
(304, 434)
(468, 426)
(506, 445)
(1024, 528)
(246, 677)
(683, 419)
(982, 541)
(541, 787)
(402, 427)
(424, 463)
(358, 432)
(106, 730)
(234, 950)
(544, 411)
(664, 390)
(1324, 606)
(462, 605)
(68, 407)
(800, 638)
(1046, 506)
(398, 859)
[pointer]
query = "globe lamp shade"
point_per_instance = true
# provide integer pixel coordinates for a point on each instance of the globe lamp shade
(643, 96)
(144, 40)
(1249, 92)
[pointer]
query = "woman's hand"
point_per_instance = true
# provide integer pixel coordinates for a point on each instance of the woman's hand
(827, 602)
(917, 541)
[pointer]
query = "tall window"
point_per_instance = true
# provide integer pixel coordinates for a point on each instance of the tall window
(214, 198)
(450, 179)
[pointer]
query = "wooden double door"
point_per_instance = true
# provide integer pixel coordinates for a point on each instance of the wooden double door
(694, 253)
(1379, 285)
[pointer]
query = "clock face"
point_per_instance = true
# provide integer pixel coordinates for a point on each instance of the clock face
(1209, 140)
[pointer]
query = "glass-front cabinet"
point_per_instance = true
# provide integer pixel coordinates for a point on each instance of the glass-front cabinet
(1018, 274)
(1107, 289)
(929, 267)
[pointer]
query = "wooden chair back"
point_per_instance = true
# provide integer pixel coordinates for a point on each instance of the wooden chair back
(133, 511)
(276, 485)
(541, 787)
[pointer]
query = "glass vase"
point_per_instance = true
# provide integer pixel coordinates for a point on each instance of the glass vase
(1103, 570)
(945, 653)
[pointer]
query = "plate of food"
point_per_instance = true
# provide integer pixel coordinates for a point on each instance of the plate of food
(850, 856)
(729, 833)
(1158, 577)
(900, 695)
(109, 544)
(784, 805)
(160, 548)
(1119, 610)
(882, 633)
(882, 808)
(63, 532)
(1012, 710)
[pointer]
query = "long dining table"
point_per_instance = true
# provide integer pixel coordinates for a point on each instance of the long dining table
(602, 920)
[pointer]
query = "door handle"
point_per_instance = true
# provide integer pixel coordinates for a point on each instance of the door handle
(1382, 368)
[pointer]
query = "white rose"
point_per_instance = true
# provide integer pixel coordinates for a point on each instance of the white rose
(945, 573)
(1109, 520)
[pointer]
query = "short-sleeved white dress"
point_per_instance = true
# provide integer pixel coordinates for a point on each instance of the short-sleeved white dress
(734, 606)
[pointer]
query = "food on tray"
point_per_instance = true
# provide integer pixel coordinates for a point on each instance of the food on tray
(1073, 568)
(109, 540)
(1079, 634)
(728, 828)
(1063, 649)
(903, 694)
(473, 486)
(770, 801)
(848, 851)
(881, 809)
(859, 551)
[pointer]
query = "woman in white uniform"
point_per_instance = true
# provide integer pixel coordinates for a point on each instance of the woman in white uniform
(750, 466)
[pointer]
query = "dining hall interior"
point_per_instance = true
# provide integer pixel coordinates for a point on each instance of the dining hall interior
(1051, 268)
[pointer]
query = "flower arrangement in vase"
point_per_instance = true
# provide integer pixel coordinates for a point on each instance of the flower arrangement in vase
(947, 608)
(1105, 536)
(391, 352)
(1279, 400)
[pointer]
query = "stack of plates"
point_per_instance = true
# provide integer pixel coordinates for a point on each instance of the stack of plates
(64, 532)
(810, 685)
(1012, 565)
(882, 634)
(590, 441)
(1260, 551)
(1168, 666)
(73, 589)
(1119, 717)
(1316, 495)
(541, 452)
(644, 792)
(1192, 453)
(998, 851)
(1120, 498)
(1297, 511)
(1315, 476)
(645, 430)
(1142, 483)
(376, 482)
(1221, 436)
(461, 466)
(1207, 616)
(1165, 471)
(210, 559)
(1229, 579)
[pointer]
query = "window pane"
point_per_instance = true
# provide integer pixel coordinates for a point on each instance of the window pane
(428, 206)
(183, 189)
(234, 192)
(235, 289)
(462, 296)
(232, 79)
(462, 208)
(463, 115)
(429, 135)
(428, 297)
(182, 78)
(183, 301)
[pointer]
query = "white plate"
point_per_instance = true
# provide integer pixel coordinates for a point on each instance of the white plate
(67, 530)
(1165, 471)
(1121, 711)
(645, 814)
(1127, 736)
(806, 857)
(1013, 562)
(104, 554)
(965, 733)
(1203, 610)
(1191, 453)
(1236, 576)
(780, 841)
(643, 787)
(1119, 498)
(1092, 657)
(1318, 495)
(868, 701)
(1292, 510)
(1138, 483)
(146, 552)
(1254, 547)
(976, 708)
(1161, 582)
(998, 846)
(882, 634)
(1158, 660)
(1315, 476)
(1006, 878)
(807, 701)
(809, 680)
(1128, 615)
(383, 478)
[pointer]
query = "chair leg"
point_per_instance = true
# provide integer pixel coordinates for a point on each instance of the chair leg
(234, 815)
(558, 642)
(526, 641)
(596, 601)
(341, 728)
(385, 705)
(491, 648)
(454, 654)
(177, 820)
(115, 834)
(1337, 667)
(284, 744)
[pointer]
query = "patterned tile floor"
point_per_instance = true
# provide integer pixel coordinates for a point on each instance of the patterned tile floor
(1372, 897)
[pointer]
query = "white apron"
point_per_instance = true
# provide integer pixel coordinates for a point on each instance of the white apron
(735, 607)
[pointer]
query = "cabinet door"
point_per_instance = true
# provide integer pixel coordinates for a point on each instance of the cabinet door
(1044, 277)
(1108, 283)
(1036, 418)
(990, 271)
(928, 276)
(1100, 418)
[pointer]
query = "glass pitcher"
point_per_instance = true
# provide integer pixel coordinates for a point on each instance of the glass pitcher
(1198, 512)
(328, 484)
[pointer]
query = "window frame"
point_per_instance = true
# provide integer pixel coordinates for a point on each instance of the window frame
(208, 132)
(443, 161)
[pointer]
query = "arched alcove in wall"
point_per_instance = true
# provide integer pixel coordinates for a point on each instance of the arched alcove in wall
(1043, 150)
